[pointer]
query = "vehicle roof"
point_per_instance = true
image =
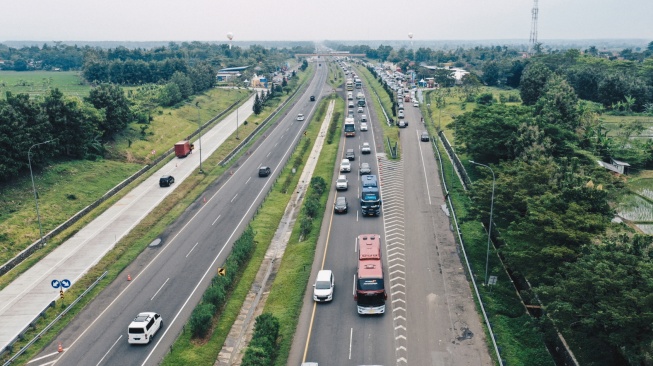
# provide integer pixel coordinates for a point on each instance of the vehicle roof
(365, 164)
(370, 268)
(143, 317)
(369, 246)
(324, 275)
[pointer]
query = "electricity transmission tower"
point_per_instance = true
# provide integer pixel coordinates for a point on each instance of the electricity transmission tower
(533, 38)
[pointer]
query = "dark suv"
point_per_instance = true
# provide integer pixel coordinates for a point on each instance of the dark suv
(166, 181)
(264, 171)
(312, 98)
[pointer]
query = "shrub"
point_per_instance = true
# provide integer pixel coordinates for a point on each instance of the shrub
(262, 350)
(200, 319)
(319, 185)
(485, 99)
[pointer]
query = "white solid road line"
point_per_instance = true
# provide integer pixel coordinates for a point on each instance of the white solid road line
(42, 357)
(351, 336)
(426, 179)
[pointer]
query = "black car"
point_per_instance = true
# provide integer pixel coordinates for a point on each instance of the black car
(424, 136)
(264, 171)
(341, 205)
(349, 154)
(166, 181)
(312, 98)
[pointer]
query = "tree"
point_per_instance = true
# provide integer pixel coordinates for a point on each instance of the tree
(258, 106)
(74, 125)
(184, 83)
(170, 94)
(606, 296)
(117, 113)
(491, 73)
(533, 81)
(650, 46)
(558, 104)
(490, 133)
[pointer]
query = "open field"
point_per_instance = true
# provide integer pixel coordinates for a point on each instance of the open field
(40, 82)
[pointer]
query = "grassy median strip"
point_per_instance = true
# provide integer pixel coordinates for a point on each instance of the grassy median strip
(190, 351)
(127, 249)
(389, 132)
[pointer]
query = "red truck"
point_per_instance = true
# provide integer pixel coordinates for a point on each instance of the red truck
(183, 148)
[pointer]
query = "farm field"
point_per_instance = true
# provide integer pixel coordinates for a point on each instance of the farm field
(39, 82)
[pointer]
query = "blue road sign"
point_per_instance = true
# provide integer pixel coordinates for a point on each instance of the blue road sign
(65, 283)
(56, 283)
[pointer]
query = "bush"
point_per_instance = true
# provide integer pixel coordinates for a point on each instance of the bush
(262, 350)
(485, 99)
(215, 295)
(305, 225)
(200, 319)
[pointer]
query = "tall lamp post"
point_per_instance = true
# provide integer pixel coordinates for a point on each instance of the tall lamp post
(199, 122)
(36, 200)
(489, 231)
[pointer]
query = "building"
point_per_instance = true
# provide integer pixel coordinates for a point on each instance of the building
(230, 73)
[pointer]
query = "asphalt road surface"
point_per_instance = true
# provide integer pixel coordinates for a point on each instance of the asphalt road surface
(171, 279)
(430, 316)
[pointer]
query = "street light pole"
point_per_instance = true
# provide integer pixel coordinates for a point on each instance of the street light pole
(36, 200)
(199, 122)
(489, 231)
(237, 124)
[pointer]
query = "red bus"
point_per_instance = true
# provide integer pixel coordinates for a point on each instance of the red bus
(370, 294)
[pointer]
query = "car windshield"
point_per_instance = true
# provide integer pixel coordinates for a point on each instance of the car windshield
(322, 285)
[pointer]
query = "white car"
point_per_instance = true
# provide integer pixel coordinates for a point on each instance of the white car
(345, 166)
(341, 183)
(143, 328)
(300, 117)
(365, 149)
(323, 287)
(415, 104)
(363, 126)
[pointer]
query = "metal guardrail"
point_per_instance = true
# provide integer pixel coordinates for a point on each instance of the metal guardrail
(52, 323)
(462, 246)
(25, 253)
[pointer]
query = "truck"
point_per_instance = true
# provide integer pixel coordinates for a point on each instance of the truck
(183, 148)
(350, 127)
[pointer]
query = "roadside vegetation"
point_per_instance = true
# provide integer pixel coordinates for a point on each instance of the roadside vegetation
(40, 82)
(336, 76)
(128, 249)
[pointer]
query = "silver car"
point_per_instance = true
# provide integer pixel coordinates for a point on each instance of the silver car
(365, 169)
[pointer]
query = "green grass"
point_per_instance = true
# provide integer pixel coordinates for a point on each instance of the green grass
(336, 76)
(40, 82)
(127, 249)
(68, 186)
(389, 132)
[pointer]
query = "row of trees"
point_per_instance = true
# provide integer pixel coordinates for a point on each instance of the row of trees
(552, 211)
(78, 127)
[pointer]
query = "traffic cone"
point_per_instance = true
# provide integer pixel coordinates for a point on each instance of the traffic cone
(129, 277)
(60, 348)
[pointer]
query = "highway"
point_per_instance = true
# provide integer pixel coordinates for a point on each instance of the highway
(339, 335)
(171, 279)
(430, 316)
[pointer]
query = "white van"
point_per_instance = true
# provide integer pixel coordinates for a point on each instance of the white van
(323, 287)
(143, 328)
(350, 96)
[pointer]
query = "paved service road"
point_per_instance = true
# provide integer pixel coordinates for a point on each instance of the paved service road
(171, 279)
(29, 294)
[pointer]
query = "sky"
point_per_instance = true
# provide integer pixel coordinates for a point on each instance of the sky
(311, 20)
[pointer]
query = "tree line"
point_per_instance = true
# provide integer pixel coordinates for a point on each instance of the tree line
(77, 128)
(552, 211)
